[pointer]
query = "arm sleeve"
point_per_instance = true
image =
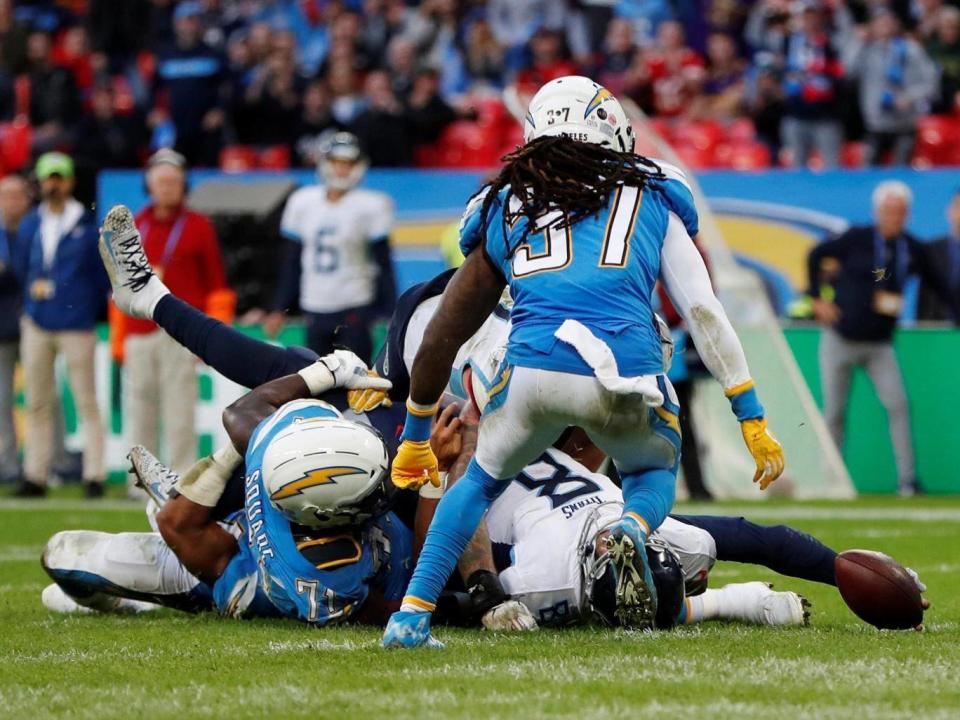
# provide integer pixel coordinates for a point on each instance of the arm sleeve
(386, 296)
(381, 220)
(288, 285)
(835, 248)
(290, 220)
(688, 284)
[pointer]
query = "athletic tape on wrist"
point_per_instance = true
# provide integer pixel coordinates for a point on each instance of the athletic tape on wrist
(419, 421)
(318, 378)
(205, 482)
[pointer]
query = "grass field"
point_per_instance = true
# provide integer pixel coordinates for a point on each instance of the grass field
(169, 665)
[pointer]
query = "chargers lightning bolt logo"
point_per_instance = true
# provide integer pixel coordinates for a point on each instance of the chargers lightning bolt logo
(321, 476)
(597, 100)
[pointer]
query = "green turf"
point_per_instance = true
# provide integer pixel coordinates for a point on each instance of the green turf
(174, 666)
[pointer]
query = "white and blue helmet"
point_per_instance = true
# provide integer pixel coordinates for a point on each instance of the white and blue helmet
(580, 109)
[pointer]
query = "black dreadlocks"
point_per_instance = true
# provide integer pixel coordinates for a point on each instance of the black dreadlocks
(559, 174)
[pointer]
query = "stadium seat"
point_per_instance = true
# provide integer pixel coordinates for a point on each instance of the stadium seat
(694, 157)
(741, 130)
(851, 155)
(275, 157)
(749, 155)
(937, 140)
(238, 158)
(468, 145)
(701, 134)
(15, 141)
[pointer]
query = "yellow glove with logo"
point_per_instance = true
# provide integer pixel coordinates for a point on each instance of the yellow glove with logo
(415, 465)
(364, 400)
(766, 450)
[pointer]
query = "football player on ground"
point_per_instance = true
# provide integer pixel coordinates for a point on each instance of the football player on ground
(580, 229)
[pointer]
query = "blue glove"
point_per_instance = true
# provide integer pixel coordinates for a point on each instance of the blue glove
(409, 630)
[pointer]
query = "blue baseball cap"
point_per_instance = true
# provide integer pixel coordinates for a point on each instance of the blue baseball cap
(189, 8)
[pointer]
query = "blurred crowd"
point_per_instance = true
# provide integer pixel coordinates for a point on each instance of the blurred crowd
(113, 80)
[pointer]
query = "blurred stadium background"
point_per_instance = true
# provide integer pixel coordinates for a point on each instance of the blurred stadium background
(246, 88)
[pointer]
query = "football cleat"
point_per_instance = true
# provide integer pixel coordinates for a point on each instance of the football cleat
(758, 604)
(509, 616)
(136, 289)
(636, 594)
(409, 630)
(155, 478)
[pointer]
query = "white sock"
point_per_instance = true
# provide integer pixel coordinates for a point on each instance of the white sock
(704, 606)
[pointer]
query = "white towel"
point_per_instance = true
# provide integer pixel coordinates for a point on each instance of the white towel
(598, 355)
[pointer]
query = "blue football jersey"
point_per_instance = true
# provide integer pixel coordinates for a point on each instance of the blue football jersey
(601, 271)
(294, 585)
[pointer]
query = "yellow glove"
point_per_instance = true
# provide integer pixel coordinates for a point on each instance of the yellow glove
(364, 400)
(766, 450)
(415, 465)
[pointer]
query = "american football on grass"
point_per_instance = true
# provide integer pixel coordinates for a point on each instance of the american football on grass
(879, 590)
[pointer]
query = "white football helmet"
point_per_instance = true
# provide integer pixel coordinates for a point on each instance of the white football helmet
(578, 108)
(342, 146)
(324, 472)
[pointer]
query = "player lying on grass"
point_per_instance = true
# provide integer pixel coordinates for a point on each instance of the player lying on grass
(580, 229)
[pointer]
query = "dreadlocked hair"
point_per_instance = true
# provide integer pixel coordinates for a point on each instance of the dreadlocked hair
(556, 174)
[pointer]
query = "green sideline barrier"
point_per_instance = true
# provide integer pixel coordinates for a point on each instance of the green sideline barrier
(928, 359)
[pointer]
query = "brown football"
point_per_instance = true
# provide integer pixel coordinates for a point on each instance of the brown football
(878, 589)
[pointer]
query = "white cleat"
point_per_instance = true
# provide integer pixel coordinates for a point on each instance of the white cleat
(758, 604)
(509, 616)
(56, 600)
(136, 289)
(155, 478)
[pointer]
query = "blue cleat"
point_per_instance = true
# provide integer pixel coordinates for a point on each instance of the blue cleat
(636, 593)
(409, 630)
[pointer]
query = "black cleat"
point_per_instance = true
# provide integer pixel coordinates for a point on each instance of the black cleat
(27, 489)
(93, 490)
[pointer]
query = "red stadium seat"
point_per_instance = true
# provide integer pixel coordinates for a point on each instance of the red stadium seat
(694, 157)
(275, 157)
(490, 111)
(851, 155)
(426, 156)
(702, 134)
(662, 127)
(238, 158)
(15, 141)
(468, 145)
(741, 130)
(937, 140)
(752, 155)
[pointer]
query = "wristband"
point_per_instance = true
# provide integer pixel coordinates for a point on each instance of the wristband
(744, 401)
(205, 482)
(419, 421)
(318, 378)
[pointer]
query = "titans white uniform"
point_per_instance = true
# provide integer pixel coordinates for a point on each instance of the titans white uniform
(544, 513)
(337, 272)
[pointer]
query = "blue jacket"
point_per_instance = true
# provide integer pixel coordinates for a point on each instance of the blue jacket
(80, 283)
(10, 296)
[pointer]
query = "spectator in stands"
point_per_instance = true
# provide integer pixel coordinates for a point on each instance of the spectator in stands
(337, 256)
(315, 122)
(347, 103)
(723, 88)
(768, 26)
(427, 114)
(65, 293)
(382, 126)
(943, 46)
(675, 72)
(105, 139)
(549, 61)
(191, 88)
(764, 100)
(897, 83)
(13, 40)
(402, 65)
(868, 267)
(514, 22)
(14, 205)
(54, 98)
(160, 375)
(116, 31)
(944, 258)
(272, 98)
(811, 84)
(483, 56)
(619, 49)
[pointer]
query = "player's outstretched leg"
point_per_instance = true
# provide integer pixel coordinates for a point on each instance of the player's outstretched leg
(136, 289)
